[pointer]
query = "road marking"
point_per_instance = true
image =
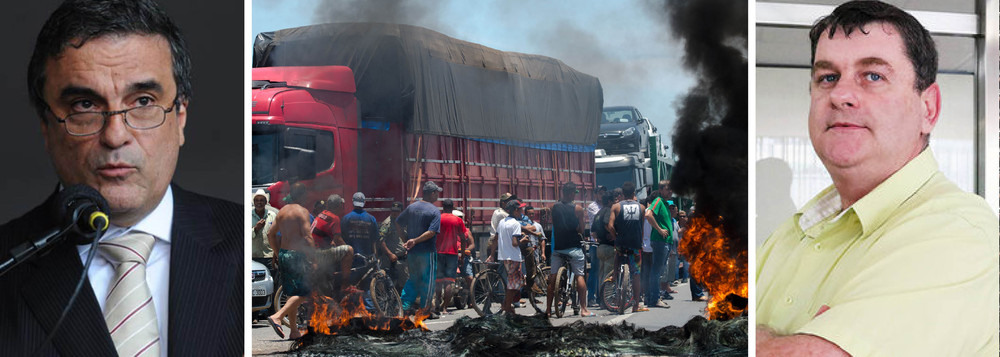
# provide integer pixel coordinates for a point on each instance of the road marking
(618, 319)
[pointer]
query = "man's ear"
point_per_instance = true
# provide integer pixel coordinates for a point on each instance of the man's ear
(930, 99)
(181, 119)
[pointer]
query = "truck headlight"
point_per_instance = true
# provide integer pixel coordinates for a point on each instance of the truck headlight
(628, 132)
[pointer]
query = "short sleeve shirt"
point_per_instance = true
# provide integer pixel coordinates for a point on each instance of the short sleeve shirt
(662, 216)
(324, 227)
(508, 230)
(387, 232)
(910, 269)
(498, 215)
(360, 230)
(420, 217)
(452, 230)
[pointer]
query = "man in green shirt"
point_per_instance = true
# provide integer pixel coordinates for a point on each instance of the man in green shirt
(658, 217)
(857, 271)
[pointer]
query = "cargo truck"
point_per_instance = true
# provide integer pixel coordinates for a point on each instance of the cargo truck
(382, 108)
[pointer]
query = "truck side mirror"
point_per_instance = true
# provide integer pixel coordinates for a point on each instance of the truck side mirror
(300, 163)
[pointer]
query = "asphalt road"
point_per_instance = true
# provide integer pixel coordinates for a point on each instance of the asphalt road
(682, 309)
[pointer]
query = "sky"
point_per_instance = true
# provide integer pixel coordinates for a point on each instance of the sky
(625, 44)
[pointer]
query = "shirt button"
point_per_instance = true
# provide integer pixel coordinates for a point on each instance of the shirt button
(817, 247)
(788, 300)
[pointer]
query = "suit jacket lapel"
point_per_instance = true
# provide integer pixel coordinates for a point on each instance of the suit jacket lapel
(198, 279)
(47, 290)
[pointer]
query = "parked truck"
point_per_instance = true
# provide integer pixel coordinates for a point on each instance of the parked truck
(381, 108)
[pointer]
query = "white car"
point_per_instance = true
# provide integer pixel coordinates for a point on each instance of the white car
(263, 287)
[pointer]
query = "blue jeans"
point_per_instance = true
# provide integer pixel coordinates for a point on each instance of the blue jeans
(660, 252)
(594, 275)
(422, 268)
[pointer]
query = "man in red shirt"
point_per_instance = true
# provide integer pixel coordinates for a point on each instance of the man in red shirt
(448, 246)
(330, 246)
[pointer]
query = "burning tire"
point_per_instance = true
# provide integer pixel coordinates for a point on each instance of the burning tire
(488, 289)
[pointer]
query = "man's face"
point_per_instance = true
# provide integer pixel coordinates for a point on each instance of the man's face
(131, 168)
(395, 214)
(866, 119)
(665, 191)
(530, 214)
(259, 202)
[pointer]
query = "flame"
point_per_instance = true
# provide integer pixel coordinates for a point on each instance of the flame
(331, 317)
(714, 267)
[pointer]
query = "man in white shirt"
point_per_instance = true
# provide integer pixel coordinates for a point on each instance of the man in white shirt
(509, 239)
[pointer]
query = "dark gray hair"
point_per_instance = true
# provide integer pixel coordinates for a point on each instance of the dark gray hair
(77, 21)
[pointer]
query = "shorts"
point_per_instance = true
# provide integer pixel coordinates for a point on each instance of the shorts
(515, 278)
(628, 256)
(329, 259)
(573, 255)
(447, 267)
(292, 265)
(465, 264)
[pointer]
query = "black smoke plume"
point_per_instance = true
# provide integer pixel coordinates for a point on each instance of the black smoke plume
(710, 138)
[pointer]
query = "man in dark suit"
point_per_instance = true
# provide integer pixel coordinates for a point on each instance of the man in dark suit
(110, 82)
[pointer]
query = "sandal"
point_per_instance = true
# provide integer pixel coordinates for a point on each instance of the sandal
(591, 314)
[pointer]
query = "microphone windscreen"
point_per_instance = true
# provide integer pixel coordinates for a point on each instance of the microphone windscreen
(72, 197)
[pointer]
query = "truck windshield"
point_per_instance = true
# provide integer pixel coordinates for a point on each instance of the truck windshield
(614, 177)
(617, 116)
(264, 158)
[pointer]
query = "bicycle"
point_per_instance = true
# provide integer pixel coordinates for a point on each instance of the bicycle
(616, 289)
(488, 287)
(565, 288)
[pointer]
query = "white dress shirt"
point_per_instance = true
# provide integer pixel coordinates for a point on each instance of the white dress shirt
(157, 224)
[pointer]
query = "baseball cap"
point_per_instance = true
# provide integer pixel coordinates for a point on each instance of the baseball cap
(506, 196)
(457, 213)
(430, 186)
(513, 205)
(397, 206)
(359, 199)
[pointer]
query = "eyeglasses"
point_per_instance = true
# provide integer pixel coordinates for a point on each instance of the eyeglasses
(90, 123)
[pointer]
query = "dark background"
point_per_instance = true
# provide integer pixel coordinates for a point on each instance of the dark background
(211, 160)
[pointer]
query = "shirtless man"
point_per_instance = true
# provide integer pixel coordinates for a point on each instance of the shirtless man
(293, 246)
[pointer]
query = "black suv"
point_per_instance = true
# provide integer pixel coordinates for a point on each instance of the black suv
(624, 130)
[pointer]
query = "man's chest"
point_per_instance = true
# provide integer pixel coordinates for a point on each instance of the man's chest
(801, 274)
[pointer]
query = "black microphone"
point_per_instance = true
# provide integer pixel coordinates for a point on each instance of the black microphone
(80, 209)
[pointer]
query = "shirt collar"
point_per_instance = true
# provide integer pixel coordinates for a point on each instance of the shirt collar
(156, 223)
(874, 208)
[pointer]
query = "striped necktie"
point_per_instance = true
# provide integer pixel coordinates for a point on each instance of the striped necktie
(128, 309)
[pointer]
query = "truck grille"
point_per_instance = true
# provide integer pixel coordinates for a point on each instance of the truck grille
(258, 275)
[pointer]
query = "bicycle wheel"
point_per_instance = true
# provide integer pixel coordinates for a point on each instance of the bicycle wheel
(488, 289)
(385, 297)
(608, 296)
(303, 313)
(540, 288)
(624, 287)
(563, 291)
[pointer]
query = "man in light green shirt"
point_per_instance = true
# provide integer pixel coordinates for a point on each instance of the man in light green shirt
(893, 259)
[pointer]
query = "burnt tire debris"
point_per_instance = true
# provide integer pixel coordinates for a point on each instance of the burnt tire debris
(500, 335)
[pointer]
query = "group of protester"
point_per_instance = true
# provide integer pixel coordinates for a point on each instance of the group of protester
(643, 235)
(437, 246)
(614, 224)
(434, 244)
